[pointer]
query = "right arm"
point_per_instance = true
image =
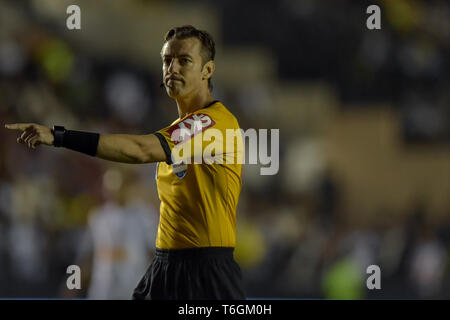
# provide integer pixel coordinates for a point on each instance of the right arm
(126, 148)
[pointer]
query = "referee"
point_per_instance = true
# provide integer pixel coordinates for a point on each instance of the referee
(197, 229)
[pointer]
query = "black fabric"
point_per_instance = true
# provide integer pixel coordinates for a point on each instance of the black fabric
(165, 147)
(210, 104)
(209, 273)
(84, 142)
(58, 135)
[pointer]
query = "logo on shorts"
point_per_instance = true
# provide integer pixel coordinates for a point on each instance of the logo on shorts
(180, 169)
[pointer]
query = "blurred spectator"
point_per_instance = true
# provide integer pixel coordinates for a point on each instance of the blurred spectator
(119, 241)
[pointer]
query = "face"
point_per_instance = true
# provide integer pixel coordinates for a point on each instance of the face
(182, 67)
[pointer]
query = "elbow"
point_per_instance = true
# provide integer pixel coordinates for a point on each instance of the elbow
(135, 155)
(140, 158)
(145, 156)
(148, 149)
(143, 159)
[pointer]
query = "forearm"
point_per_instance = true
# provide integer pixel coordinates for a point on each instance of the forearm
(129, 148)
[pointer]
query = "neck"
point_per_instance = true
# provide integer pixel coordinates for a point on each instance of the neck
(190, 104)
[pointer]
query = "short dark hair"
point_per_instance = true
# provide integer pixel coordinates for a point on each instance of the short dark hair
(208, 49)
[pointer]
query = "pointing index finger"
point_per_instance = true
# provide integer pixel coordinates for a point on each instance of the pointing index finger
(17, 126)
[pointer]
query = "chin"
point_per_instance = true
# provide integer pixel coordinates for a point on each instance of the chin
(174, 92)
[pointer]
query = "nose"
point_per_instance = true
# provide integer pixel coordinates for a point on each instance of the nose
(173, 66)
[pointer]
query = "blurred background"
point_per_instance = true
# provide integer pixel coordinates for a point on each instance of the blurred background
(364, 143)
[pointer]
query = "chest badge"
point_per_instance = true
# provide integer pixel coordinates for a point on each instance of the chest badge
(180, 169)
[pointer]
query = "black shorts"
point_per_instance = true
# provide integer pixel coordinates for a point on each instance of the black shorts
(207, 273)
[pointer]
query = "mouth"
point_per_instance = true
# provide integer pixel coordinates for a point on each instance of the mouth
(173, 80)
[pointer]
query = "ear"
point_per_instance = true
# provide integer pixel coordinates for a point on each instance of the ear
(208, 70)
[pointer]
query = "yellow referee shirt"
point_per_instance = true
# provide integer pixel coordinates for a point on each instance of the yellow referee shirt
(199, 197)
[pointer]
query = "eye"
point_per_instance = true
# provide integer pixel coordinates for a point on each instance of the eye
(185, 60)
(166, 61)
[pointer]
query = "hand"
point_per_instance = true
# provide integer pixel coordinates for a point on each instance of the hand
(33, 134)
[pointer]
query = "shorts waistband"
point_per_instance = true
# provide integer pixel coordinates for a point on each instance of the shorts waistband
(193, 253)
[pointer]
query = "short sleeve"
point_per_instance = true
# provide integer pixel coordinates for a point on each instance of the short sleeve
(198, 138)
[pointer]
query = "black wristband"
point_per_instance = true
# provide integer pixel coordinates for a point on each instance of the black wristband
(58, 135)
(80, 141)
(84, 142)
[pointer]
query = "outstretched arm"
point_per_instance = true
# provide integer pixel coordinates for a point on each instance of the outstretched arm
(125, 148)
(130, 148)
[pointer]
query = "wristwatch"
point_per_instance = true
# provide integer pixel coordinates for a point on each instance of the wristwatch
(58, 134)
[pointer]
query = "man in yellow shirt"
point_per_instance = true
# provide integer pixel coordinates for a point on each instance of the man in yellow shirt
(197, 229)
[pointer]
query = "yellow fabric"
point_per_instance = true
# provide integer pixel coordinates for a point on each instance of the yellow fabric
(198, 207)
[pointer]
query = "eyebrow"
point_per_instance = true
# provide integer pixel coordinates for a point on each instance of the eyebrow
(180, 56)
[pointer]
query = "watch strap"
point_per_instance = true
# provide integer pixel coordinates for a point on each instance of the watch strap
(58, 134)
